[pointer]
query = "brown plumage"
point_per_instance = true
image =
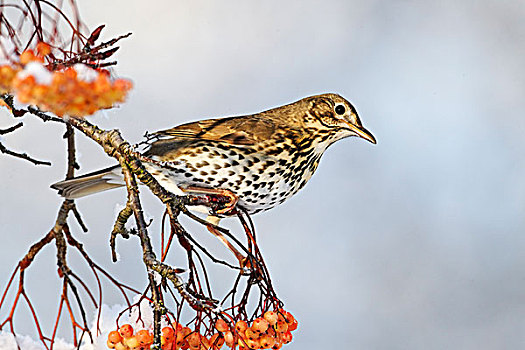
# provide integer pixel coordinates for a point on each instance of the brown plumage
(262, 158)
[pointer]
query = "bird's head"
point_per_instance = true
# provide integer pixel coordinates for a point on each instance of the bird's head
(333, 114)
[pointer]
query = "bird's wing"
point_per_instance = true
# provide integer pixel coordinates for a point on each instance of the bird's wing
(238, 131)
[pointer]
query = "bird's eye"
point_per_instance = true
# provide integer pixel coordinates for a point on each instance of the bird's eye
(340, 109)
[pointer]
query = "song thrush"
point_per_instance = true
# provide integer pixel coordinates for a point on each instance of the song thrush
(259, 160)
(263, 158)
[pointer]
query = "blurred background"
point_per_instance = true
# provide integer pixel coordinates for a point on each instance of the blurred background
(416, 242)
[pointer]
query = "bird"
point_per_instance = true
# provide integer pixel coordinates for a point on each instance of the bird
(263, 159)
(259, 160)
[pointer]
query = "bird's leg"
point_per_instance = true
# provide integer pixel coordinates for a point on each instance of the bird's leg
(228, 207)
(213, 220)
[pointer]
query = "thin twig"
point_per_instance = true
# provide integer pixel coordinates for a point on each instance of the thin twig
(11, 129)
(24, 156)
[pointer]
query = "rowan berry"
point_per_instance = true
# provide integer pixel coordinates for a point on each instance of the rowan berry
(221, 325)
(216, 341)
(251, 334)
(229, 339)
(43, 49)
(144, 337)
(28, 56)
(168, 333)
(241, 326)
(293, 326)
(126, 330)
(131, 342)
(266, 341)
(176, 326)
(277, 346)
(120, 346)
(194, 340)
(288, 317)
(281, 327)
(286, 337)
(271, 317)
(253, 343)
(260, 325)
(114, 337)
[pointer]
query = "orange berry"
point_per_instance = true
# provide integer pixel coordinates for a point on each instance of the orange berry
(194, 340)
(277, 346)
(122, 84)
(114, 337)
(271, 332)
(43, 49)
(217, 340)
(293, 326)
(144, 337)
(253, 344)
(182, 336)
(28, 56)
(168, 333)
(165, 342)
(179, 337)
(241, 326)
(281, 327)
(176, 326)
(286, 337)
(267, 341)
(251, 334)
(271, 317)
(131, 342)
(167, 346)
(221, 325)
(126, 330)
(120, 346)
(260, 325)
(229, 339)
(205, 343)
(288, 317)
(110, 344)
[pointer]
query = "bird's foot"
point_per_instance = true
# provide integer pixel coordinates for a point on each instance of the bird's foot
(225, 200)
(229, 206)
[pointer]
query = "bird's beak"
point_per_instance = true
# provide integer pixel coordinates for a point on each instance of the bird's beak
(362, 133)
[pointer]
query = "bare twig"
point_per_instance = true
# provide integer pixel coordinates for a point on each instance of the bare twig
(11, 129)
(24, 156)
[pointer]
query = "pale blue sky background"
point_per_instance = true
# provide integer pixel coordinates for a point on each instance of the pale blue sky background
(415, 243)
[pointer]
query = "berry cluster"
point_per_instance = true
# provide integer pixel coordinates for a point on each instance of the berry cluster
(75, 91)
(125, 338)
(270, 331)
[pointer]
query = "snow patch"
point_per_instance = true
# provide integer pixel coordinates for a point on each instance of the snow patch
(38, 71)
(85, 73)
(157, 277)
(8, 342)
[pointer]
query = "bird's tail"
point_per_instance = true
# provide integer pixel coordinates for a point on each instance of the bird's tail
(94, 182)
